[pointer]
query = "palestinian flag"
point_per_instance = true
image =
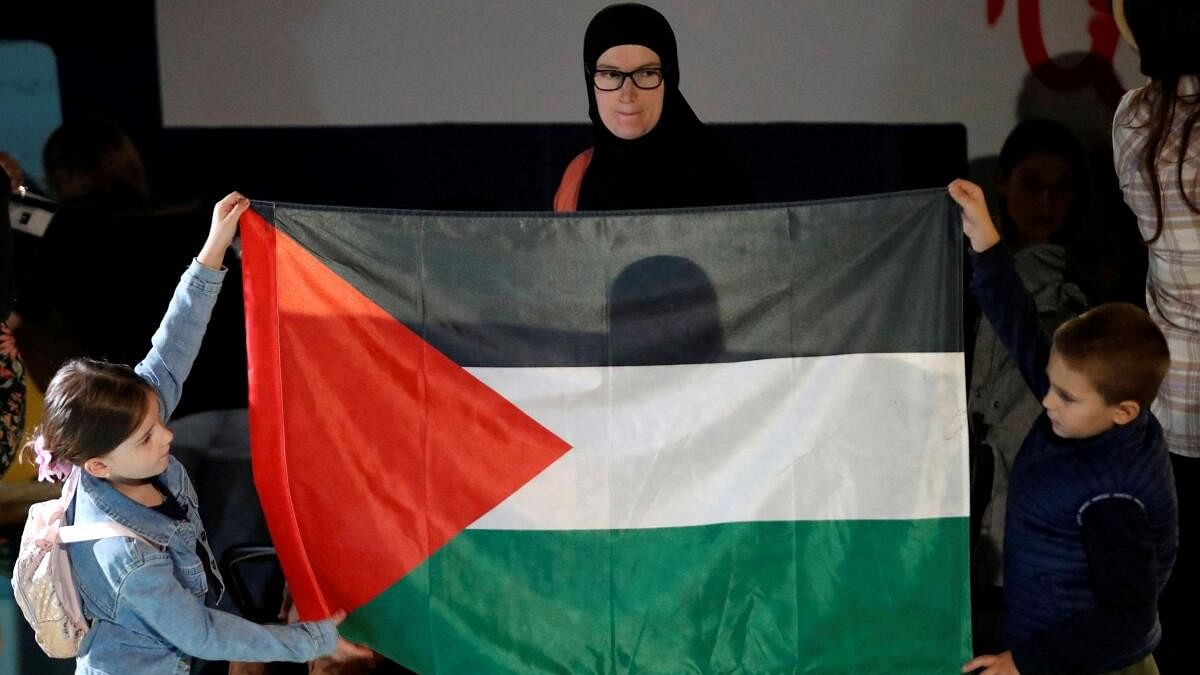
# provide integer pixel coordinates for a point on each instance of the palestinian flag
(724, 440)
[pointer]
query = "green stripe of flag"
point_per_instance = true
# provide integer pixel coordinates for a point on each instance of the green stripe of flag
(828, 596)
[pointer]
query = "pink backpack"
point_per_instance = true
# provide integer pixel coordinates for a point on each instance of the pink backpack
(42, 582)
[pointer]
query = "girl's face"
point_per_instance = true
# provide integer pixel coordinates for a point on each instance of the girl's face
(629, 112)
(1038, 196)
(144, 454)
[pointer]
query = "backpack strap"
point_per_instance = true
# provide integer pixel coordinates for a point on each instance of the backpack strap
(69, 534)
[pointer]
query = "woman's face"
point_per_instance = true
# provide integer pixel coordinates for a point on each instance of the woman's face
(629, 112)
(1038, 195)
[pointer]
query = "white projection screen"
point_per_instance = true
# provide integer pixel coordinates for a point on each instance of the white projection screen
(385, 62)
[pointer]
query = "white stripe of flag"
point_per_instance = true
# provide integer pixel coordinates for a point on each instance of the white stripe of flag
(847, 437)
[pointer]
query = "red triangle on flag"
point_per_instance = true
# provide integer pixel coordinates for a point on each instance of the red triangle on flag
(371, 449)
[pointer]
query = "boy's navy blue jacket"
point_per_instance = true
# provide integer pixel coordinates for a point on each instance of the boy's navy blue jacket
(1091, 526)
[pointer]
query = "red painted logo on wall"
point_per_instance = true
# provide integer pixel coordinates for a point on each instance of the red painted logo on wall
(1090, 71)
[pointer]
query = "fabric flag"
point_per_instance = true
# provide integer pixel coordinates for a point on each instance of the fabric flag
(720, 440)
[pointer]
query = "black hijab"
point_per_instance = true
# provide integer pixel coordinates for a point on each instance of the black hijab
(679, 163)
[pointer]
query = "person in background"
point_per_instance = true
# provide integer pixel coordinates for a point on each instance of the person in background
(93, 162)
(1156, 151)
(12, 369)
(649, 148)
(1040, 183)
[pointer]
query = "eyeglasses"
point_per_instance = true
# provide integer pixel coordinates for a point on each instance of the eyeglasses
(612, 80)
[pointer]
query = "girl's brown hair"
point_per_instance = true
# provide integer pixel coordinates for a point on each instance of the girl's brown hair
(90, 408)
(1167, 33)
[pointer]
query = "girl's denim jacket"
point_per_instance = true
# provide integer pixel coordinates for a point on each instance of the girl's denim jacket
(146, 602)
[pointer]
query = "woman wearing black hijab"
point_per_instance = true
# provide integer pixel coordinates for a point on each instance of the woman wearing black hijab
(650, 150)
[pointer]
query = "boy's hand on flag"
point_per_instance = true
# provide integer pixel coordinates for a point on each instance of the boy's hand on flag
(346, 650)
(976, 220)
(992, 664)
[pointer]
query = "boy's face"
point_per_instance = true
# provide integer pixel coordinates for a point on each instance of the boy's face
(1075, 408)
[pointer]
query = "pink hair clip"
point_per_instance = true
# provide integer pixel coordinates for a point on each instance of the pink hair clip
(49, 469)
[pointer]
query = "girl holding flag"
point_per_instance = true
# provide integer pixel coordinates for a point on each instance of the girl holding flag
(105, 423)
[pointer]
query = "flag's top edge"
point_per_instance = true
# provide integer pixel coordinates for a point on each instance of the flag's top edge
(591, 214)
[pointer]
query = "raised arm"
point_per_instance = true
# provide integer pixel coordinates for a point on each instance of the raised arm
(175, 344)
(220, 233)
(999, 290)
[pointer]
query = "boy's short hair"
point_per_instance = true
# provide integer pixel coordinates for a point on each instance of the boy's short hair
(1119, 349)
